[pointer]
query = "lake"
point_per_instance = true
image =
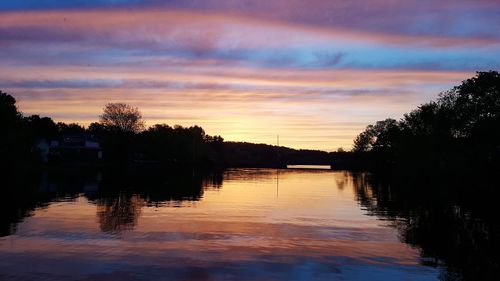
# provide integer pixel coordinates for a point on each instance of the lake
(238, 224)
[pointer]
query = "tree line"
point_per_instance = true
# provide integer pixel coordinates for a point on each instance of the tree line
(461, 129)
(120, 131)
(125, 140)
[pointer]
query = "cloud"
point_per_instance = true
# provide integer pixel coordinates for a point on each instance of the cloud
(316, 73)
(310, 109)
(460, 19)
(112, 37)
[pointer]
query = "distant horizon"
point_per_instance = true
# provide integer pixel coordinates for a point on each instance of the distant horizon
(267, 139)
(316, 72)
(173, 125)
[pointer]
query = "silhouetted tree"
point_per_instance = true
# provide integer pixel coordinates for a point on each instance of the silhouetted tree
(42, 127)
(365, 140)
(17, 139)
(70, 129)
(459, 129)
(379, 136)
(157, 143)
(124, 140)
(8, 109)
(96, 128)
(122, 117)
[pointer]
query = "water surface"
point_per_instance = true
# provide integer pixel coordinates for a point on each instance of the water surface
(245, 224)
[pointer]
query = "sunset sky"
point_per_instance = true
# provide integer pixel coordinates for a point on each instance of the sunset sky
(314, 72)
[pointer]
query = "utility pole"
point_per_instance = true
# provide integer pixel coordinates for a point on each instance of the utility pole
(277, 169)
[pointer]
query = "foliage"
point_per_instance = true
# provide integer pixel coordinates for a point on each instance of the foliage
(122, 117)
(70, 129)
(462, 126)
(125, 141)
(8, 109)
(378, 136)
(16, 136)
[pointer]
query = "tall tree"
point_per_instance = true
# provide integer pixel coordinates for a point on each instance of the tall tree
(122, 117)
(17, 139)
(460, 128)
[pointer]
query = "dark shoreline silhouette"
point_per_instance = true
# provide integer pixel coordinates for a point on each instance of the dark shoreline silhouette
(458, 132)
(119, 139)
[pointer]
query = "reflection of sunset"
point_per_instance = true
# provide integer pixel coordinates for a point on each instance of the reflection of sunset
(256, 215)
(206, 140)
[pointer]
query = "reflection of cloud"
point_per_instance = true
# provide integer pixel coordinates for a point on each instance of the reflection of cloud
(314, 231)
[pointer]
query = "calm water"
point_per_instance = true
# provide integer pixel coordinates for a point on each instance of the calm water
(242, 224)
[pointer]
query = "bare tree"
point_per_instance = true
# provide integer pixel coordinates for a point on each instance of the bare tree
(123, 117)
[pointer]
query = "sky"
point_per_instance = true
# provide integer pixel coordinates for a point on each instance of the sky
(314, 72)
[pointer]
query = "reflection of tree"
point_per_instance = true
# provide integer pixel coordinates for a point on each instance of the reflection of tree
(119, 195)
(122, 194)
(119, 213)
(343, 181)
(14, 207)
(25, 191)
(450, 224)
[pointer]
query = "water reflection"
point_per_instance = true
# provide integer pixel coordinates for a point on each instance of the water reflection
(452, 222)
(20, 196)
(200, 225)
(118, 194)
(119, 213)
